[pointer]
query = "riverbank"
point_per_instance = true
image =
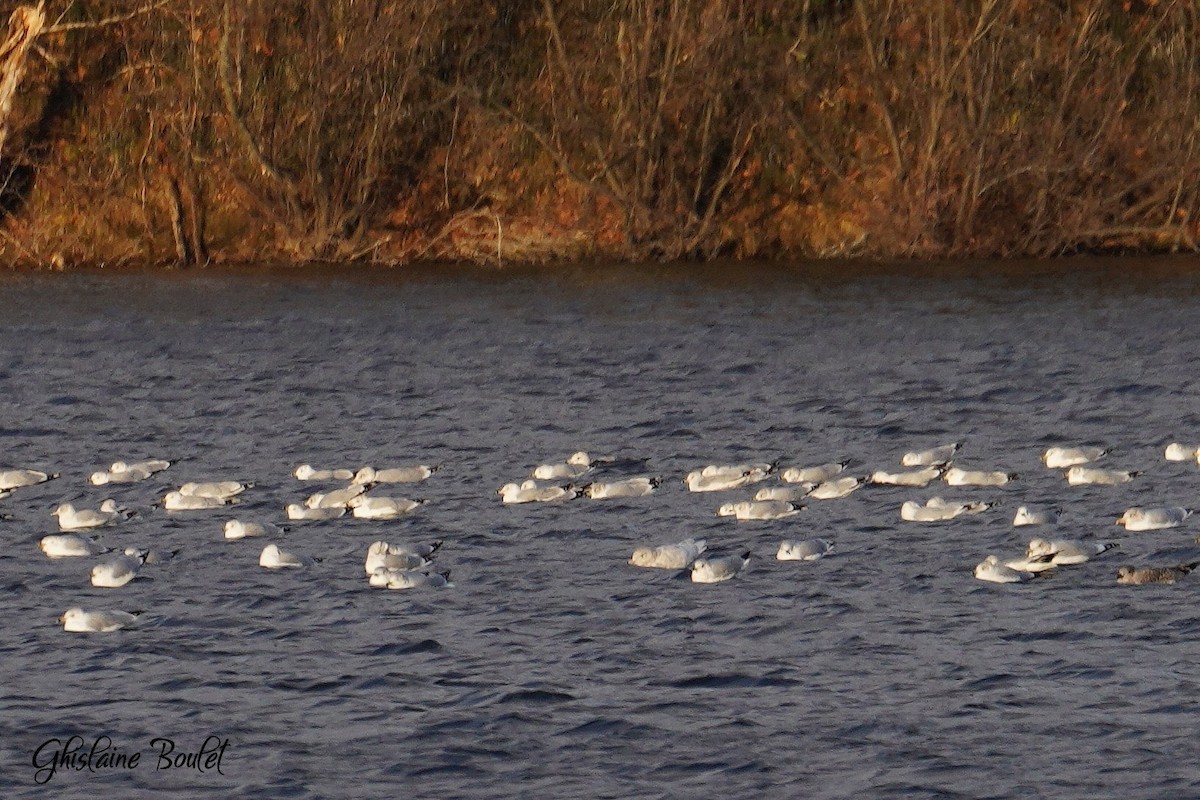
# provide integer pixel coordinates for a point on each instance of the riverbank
(393, 133)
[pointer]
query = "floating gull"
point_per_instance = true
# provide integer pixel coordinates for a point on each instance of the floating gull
(530, 492)
(576, 465)
(630, 487)
(1061, 457)
(1030, 563)
(1068, 551)
(930, 457)
(365, 507)
(76, 620)
(382, 554)
(69, 545)
(720, 482)
(220, 490)
(238, 529)
(1080, 476)
(835, 488)
(1153, 519)
(124, 472)
(295, 511)
(16, 478)
(968, 477)
(936, 509)
(411, 579)
(760, 509)
(177, 501)
(1177, 451)
(306, 472)
(274, 558)
(118, 571)
(1028, 515)
(807, 550)
(395, 474)
(1140, 575)
(71, 519)
(790, 493)
(668, 556)
(990, 569)
(338, 498)
(151, 465)
(722, 477)
(399, 556)
(721, 568)
(917, 478)
(817, 474)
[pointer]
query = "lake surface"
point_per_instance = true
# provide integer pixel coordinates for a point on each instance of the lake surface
(552, 668)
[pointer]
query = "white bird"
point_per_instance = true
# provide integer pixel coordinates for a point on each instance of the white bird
(119, 570)
(177, 501)
(307, 472)
(382, 554)
(730, 470)
(70, 545)
(1153, 519)
(918, 478)
(760, 509)
(721, 568)
(338, 498)
(1068, 551)
(17, 478)
(274, 558)
(72, 519)
(1081, 476)
(969, 477)
(629, 487)
(150, 466)
(365, 507)
(411, 579)
(399, 556)
(123, 476)
(76, 620)
(239, 529)
(668, 556)
(221, 490)
(576, 465)
(931, 457)
(936, 509)
(1061, 457)
(123, 472)
(817, 474)
(1030, 563)
(792, 493)
(835, 488)
(531, 492)
(295, 511)
(990, 569)
(1028, 515)
(395, 474)
(720, 482)
(807, 550)
(1177, 451)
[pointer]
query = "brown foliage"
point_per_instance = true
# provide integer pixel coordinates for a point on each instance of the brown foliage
(534, 129)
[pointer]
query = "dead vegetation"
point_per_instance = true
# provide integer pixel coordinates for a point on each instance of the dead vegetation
(179, 131)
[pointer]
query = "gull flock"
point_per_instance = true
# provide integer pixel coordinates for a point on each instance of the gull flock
(400, 566)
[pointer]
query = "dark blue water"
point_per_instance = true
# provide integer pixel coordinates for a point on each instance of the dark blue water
(551, 668)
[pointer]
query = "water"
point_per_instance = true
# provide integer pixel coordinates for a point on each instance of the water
(552, 669)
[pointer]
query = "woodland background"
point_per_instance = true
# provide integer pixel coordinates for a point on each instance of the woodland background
(189, 131)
